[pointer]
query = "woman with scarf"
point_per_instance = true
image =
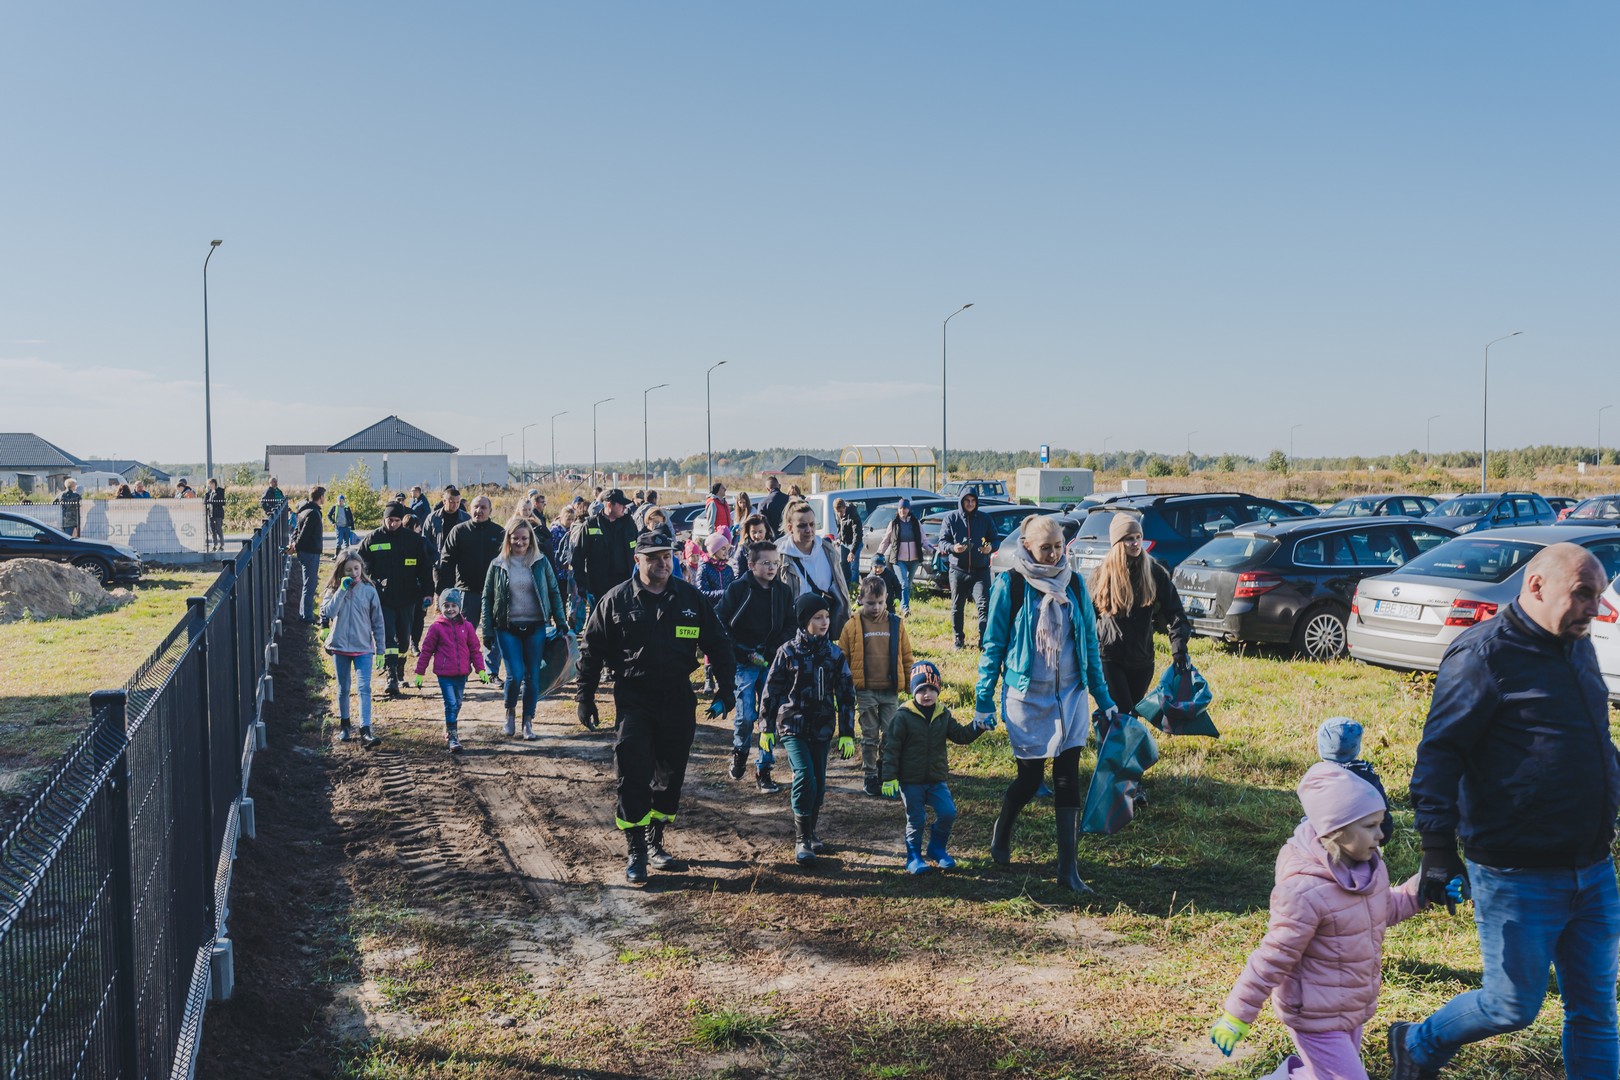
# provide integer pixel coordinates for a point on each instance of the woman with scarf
(1132, 591)
(1041, 643)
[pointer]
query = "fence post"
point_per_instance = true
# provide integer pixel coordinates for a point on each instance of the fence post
(127, 1025)
(197, 611)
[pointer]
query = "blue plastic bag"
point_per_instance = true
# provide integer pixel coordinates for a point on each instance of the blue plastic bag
(1127, 751)
(1179, 706)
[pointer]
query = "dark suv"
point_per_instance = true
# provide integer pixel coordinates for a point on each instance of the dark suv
(1173, 526)
(24, 538)
(1291, 582)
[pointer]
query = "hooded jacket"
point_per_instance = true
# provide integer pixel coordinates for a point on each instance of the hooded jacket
(915, 749)
(853, 642)
(309, 536)
(970, 527)
(356, 618)
(452, 645)
(441, 521)
(808, 691)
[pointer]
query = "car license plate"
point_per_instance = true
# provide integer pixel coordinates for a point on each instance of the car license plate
(1392, 609)
(1198, 604)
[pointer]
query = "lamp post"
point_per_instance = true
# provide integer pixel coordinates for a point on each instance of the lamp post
(1190, 434)
(594, 404)
(1106, 440)
(488, 445)
(944, 456)
(1428, 437)
(1291, 431)
(523, 446)
(645, 474)
(708, 422)
(208, 397)
(554, 443)
(1598, 459)
(1485, 416)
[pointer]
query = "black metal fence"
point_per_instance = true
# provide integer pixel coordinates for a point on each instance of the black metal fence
(114, 876)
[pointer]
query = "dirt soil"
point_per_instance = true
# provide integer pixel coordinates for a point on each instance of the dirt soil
(407, 913)
(42, 589)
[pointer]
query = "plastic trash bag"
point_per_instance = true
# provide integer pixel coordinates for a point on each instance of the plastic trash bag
(559, 661)
(1179, 706)
(1127, 751)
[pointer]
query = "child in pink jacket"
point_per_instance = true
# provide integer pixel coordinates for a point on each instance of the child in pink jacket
(1319, 961)
(452, 644)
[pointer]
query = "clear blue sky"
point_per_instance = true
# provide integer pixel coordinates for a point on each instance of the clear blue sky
(1222, 217)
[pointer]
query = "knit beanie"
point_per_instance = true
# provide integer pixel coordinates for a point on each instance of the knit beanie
(396, 510)
(924, 674)
(1334, 797)
(805, 608)
(1122, 526)
(718, 542)
(451, 596)
(1338, 739)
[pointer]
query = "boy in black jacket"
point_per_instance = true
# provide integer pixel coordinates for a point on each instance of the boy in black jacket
(757, 611)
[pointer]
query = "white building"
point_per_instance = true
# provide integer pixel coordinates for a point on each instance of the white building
(398, 454)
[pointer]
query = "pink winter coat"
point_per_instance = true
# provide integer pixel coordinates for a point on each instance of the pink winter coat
(453, 648)
(1319, 961)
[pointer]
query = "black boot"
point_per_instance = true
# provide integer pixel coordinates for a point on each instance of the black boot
(739, 763)
(763, 782)
(657, 857)
(392, 686)
(635, 869)
(1001, 838)
(816, 844)
(1068, 839)
(803, 853)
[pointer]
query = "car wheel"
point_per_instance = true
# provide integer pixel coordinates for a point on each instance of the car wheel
(1320, 633)
(97, 567)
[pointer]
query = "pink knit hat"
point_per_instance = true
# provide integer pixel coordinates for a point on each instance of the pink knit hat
(1334, 797)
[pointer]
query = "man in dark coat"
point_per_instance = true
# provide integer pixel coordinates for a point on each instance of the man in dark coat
(604, 556)
(397, 561)
(969, 535)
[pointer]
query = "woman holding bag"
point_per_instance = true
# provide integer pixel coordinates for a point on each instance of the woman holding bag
(1041, 640)
(1132, 591)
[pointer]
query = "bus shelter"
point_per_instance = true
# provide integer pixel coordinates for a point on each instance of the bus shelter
(887, 466)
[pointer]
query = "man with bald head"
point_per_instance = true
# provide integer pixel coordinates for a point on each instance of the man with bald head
(1517, 763)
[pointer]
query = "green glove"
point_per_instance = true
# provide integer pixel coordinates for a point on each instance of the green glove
(483, 677)
(346, 583)
(846, 748)
(1227, 1033)
(767, 741)
(891, 788)
(417, 682)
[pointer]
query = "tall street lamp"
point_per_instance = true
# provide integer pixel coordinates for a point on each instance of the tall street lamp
(1428, 437)
(208, 398)
(1485, 416)
(645, 474)
(523, 445)
(594, 404)
(944, 377)
(554, 443)
(1190, 434)
(1599, 459)
(708, 421)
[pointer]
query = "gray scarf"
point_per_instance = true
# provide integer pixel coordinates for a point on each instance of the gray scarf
(1052, 582)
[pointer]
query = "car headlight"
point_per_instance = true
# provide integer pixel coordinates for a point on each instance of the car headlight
(1466, 528)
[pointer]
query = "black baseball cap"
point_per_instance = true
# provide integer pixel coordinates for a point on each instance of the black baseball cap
(651, 543)
(616, 496)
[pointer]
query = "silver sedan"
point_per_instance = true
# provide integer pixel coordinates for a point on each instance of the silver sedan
(1410, 616)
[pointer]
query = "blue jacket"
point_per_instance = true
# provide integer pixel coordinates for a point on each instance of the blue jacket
(973, 528)
(713, 578)
(1516, 756)
(1009, 642)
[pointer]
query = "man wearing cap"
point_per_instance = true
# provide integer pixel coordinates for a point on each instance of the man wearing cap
(605, 554)
(648, 631)
(397, 560)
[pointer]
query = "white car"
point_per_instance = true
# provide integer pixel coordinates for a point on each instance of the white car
(1606, 637)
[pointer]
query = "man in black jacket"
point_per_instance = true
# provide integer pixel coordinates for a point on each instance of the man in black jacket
(464, 561)
(648, 632)
(1516, 761)
(969, 535)
(308, 541)
(605, 554)
(772, 506)
(446, 516)
(757, 611)
(397, 561)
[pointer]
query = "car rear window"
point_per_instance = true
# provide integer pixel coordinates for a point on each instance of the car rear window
(1233, 552)
(1470, 558)
(1465, 507)
(1596, 510)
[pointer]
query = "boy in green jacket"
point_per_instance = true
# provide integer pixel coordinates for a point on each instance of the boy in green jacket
(915, 766)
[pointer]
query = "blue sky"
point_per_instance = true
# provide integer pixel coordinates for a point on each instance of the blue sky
(1223, 217)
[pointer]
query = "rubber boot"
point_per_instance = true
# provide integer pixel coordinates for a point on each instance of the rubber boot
(528, 728)
(763, 782)
(635, 868)
(915, 864)
(1068, 840)
(803, 853)
(938, 837)
(657, 857)
(344, 733)
(816, 843)
(511, 723)
(452, 743)
(392, 685)
(1001, 839)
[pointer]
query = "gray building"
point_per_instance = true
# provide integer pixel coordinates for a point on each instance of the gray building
(36, 466)
(398, 455)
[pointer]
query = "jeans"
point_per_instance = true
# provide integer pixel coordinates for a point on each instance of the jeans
(453, 688)
(1530, 920)
(523, 656)
(347, 668)
(917, 799)
(977, 584)
(750, 684)
(310, 564)
(216, 532)
(876, 708)
(902, 570)
(809, 760)
(346, 537)
(851, 556)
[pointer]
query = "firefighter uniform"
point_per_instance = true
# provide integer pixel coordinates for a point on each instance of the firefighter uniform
(605, 553)
(399, 563)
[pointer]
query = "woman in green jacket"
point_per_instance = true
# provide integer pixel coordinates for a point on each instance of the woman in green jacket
(520, 598)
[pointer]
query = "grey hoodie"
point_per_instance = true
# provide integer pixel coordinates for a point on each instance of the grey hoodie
(357, 622)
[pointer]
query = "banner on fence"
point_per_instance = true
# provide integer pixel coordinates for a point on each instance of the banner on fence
(150, 526)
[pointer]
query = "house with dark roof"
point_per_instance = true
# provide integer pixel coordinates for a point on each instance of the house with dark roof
(395, 452)
(33, 464)
(803, 464)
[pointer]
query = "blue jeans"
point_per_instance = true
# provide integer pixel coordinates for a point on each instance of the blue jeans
(902, 570)
(523, 654)
(750, 684)
(346, 538)
(452, 688)
(310, 564)
(1530, 920)
(809, 760)
(347, 668)
(917, 799)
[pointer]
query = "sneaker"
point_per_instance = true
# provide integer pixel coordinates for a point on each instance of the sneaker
(367, 739)
(873, 788)
(1402, 1067)
(958, 644)
(763, 781)
(739, 763)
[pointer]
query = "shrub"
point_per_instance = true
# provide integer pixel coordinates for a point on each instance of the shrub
(1277, 462)
(364, 500)
(1158, 467)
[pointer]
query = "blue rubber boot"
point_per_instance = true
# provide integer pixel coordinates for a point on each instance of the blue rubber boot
(938, 837)
(915, 863)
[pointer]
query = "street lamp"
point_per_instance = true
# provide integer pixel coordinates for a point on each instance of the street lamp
(1428, 437)
(1598, 461)
(208, 398)
(594, 404)
(645, 474)
(1291, 431)
(488, 445)
(708, 421)
(554, 443)
(1106, 440)
(523, 444)
(1190, 434)
(944, 464)
(1485, 415)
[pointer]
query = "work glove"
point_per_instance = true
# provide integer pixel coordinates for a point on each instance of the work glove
(767, 742)
(483, 677)
(1227, 1033)
(417, 682)
(717, 709)
(1111, 715)
(1183, 667)
(985, 721)
(427, 603)
(1441, 867)
(347, 582)
(891, 788)
(1459, 890)
(390, 652)
(323, 633)
(586, 711)
(846, 748)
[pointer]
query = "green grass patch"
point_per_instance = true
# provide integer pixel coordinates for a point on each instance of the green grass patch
(731, 1029)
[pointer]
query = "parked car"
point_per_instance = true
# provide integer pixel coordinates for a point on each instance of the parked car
(1173, 526)
(1070, 523)
(1598, 510)
(1383, 506)
(1407, 618)
(24, 538)
(986, 490)
(1305, 509)
(864, 500)
(876, 523)
(1606, 638)
(1466, 513)
(1007, 517)
(1291, 582)
(1561, 504)
(682, 517)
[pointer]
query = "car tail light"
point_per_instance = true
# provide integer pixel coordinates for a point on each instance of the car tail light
(1355, 609)
(1606, 611)
(1252, 583)
(1147, 545)
(1469, 612)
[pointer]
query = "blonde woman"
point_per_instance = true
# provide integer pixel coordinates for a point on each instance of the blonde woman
(520, 597)
(1131, 590)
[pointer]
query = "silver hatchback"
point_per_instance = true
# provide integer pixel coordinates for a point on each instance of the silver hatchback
(1410, 616)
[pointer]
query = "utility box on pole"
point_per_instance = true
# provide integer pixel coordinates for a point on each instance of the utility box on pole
(1053, 487)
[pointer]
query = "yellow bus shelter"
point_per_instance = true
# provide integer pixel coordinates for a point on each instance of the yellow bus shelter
(887, 466)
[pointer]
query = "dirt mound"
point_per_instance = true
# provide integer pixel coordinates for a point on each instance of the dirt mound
(39, 589)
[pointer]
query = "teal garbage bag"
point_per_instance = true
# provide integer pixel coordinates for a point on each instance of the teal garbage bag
(1179, 706)
(1127, 751)
(559, 661)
